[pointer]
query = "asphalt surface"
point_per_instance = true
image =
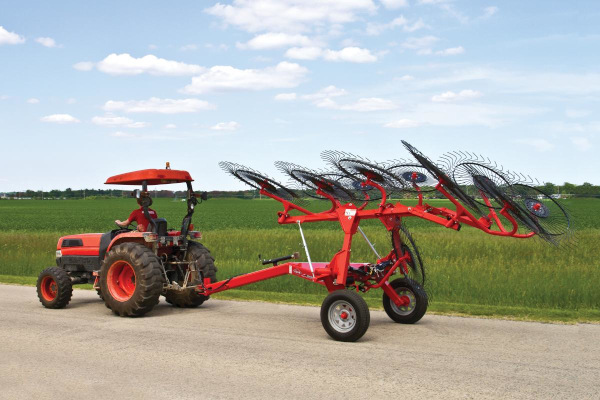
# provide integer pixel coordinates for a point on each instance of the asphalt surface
(248, 350)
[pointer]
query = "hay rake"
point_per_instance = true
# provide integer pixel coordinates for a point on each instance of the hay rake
(503, 204)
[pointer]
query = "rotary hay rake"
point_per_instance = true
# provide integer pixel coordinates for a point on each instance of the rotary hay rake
(504, 204)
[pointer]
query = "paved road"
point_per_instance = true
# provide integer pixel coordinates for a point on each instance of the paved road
(229, 349)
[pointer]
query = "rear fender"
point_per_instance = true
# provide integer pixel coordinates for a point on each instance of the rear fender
(136, 237)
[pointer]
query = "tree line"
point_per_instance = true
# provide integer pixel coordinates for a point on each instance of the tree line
(112, 193)
(566, 189)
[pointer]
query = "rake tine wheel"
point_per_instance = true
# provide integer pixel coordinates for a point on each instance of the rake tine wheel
(414, 174)
(452, 187)
(404, 244)
(313, 180)
(258, 181)
(551, 218)
(362, 170)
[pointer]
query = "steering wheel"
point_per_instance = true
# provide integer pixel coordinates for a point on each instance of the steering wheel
(125, 229)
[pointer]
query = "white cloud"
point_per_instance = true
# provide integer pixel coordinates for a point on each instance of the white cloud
(466, 94)
(189, 47)
(326, 92)
(84, 66)
(541, 145)
(421, 44)
(71, 100)
(376, 29)
(581, 143)
(125, 64)
(4, 97)
(514, 81)
(7, 37)
(160, 106)
(489, 11)
(393, 4)
(46, 41)
(33, 100)
(285, 96)
(289, 15)
(60, 118)
(460, 115)
(110, 120)
(227, 78)
(275, 40)
(405, 78)
(572, 113)
(121, 134)
(402, 123)
(452, 51)
(226, 126)
(212, 46)
(304, 53)
(170, 126)
(350, 54)
(362, 105)
(138, 125)
(152, 47)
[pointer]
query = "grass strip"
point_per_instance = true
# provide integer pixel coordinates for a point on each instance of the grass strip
(441, 308)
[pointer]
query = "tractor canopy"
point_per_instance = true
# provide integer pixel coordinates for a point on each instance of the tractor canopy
(151, 177)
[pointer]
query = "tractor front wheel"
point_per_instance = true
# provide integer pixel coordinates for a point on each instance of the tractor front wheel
(131, 280)
(345, 315)
(54, 288)
(416, 301)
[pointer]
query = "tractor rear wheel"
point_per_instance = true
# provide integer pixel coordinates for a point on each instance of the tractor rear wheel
(345, 315)
(205, 263)
(414, 293)
(131, 279)
(54, 288)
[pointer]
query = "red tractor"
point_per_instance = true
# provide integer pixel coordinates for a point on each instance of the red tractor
(131, 269)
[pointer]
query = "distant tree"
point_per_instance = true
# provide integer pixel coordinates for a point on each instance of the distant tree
(549, 188)
(568, 188)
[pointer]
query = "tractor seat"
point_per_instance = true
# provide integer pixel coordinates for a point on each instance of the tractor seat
(160, 226)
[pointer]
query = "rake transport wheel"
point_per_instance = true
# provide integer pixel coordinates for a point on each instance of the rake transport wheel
(54, 288)
(414, 311)
(131, 280)
(345, 315)
(205, 263)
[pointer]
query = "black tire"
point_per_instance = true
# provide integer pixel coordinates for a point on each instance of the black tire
(54, 288)
(189, 298)
(131, 280)
(418, 301)
(354, 324)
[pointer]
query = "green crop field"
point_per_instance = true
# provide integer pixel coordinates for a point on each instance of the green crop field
(468, 271)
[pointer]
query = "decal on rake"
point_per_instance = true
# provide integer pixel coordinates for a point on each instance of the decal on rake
(482, 195)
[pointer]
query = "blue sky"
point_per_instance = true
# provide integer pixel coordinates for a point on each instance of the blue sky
(89, 90)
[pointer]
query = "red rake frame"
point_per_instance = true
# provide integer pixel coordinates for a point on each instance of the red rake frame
(339, 273)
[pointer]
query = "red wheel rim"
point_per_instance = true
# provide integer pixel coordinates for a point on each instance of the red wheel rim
(49, 288)
(121, 280)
